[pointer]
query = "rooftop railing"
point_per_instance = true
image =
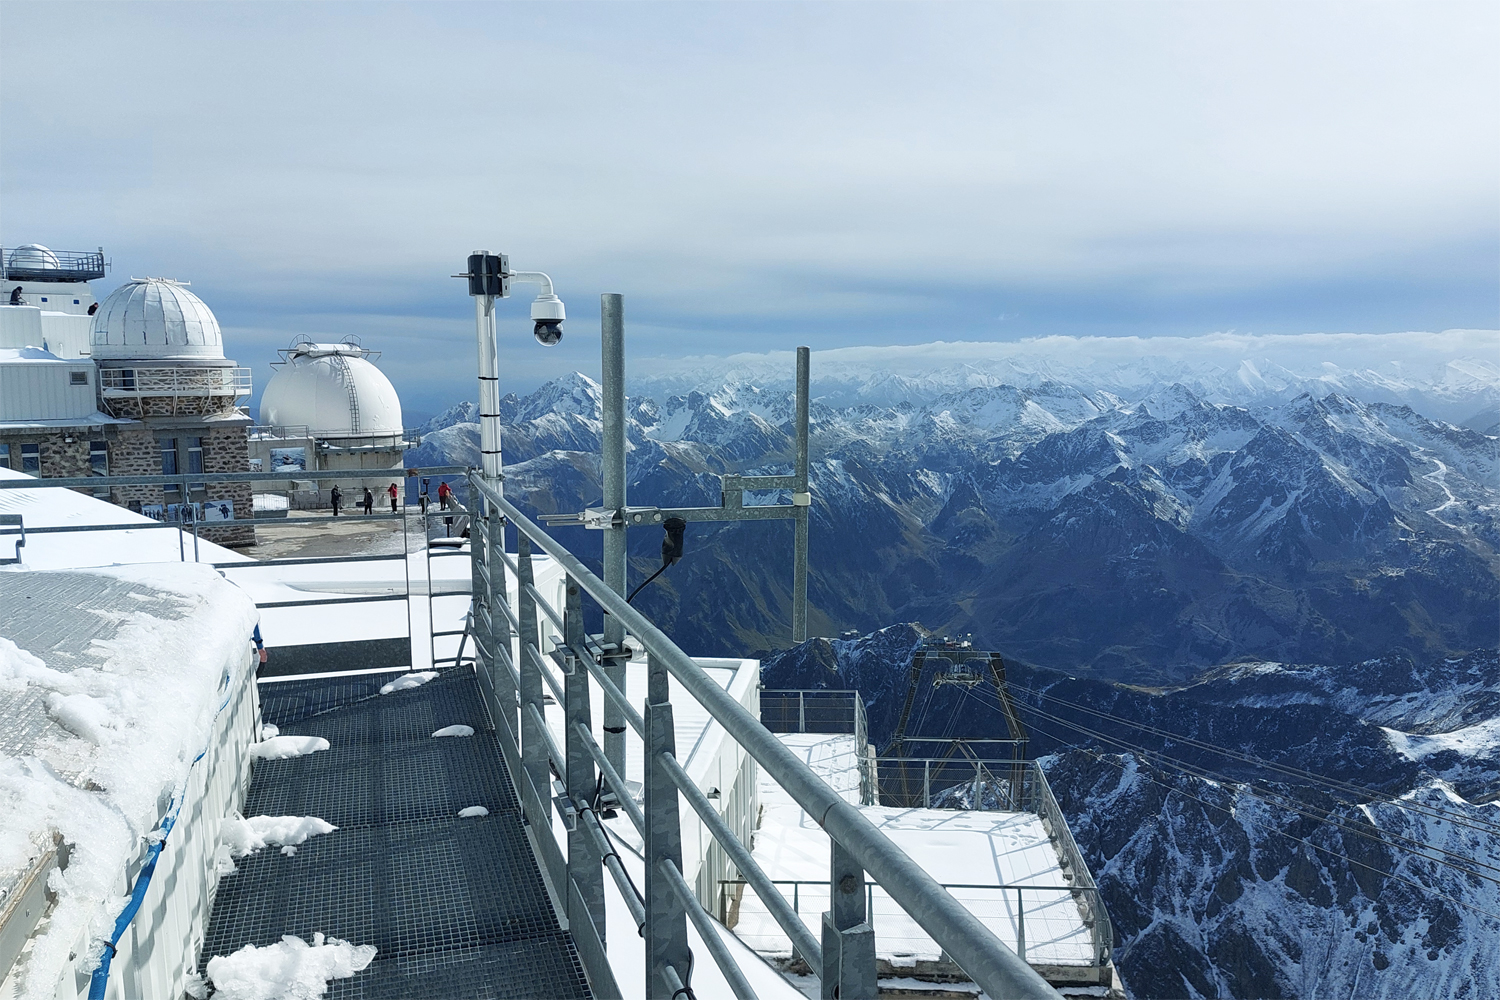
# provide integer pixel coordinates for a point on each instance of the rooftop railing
(174, 380)
(517, 691)
(71, 265)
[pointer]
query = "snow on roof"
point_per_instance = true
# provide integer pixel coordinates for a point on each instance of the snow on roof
(110, 683)
(987, 849)
(14, 354)
(55, 506)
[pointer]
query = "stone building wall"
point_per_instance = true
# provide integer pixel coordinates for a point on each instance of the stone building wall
(134, 452)
(227, 449)
(59, 459)
(136, 407)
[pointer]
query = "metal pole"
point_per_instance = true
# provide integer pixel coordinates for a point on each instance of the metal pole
(489, 390)
(666, 917)
(585, 875)
(802, 499)
(848, 939)
(1020, 926)
(967, 941)
(612, 357)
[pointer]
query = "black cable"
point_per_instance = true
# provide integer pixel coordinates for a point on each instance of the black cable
(1231, 813)
(1332, 783)
(1281, 801)
(648, 579)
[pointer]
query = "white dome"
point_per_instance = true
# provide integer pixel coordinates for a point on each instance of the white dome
(155, 318)
(35, 257)
(334, 391)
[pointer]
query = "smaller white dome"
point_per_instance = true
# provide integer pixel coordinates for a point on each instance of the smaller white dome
(35, 257)
(148, 318)
(334, 391)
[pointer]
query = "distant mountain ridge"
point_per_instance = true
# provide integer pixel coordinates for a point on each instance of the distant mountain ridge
(1141, 538)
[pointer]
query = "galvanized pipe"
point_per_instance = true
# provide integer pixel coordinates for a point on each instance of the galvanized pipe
(796, 931)
(738, 984)
(606, 850)
(801, 500)
(489, 389)
(988, 961)
(615, 782)
(614, 694)
(612, 469)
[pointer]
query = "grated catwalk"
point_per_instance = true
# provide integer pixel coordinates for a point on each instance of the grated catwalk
(456, 907)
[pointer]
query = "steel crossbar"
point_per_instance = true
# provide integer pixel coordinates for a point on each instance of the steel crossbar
(857, 845)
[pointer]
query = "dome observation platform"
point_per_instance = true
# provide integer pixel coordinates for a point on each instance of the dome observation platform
(34, 262)
(160, 353)
(328, 408)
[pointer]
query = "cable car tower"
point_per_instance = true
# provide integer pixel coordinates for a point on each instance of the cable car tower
(926, 759)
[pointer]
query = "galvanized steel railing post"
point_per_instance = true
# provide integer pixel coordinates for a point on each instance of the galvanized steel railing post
(848, 938)
(497, 593)
(802, 499)
(538, 776)
(612, 470)
(1020, 926)
(585, 865)
(666, 918)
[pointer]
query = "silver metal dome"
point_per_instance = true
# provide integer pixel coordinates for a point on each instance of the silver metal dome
(151, 318)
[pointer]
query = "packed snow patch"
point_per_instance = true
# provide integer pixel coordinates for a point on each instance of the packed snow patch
(268, 730)
(455, 731)
(408, 681)
(245, 836)
(280, 747)
(471, 812)
(291, 969)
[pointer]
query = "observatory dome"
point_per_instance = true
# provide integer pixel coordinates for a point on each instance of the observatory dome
(334, 390)
(148, 318)
(34, 256)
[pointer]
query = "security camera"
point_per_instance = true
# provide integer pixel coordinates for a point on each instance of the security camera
(548, 314)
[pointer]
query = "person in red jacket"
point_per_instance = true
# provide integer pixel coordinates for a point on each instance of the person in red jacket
(444, 495)
(392, 491)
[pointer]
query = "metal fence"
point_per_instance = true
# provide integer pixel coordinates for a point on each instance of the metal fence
(844, 959)
(174, 381)
(970, 894)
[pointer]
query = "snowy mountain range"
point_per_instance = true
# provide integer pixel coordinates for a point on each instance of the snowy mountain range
(1177, 559)
(1267, 830)
(1139, 537)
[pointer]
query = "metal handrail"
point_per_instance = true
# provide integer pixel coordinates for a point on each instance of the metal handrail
(987, 960)
(175, 381)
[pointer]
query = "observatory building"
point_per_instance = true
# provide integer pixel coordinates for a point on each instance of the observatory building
(135, 385)
(328, 408)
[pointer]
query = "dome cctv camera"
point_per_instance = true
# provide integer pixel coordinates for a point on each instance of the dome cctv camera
(547, 312)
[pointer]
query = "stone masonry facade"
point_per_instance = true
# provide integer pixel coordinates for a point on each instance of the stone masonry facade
(133, 450)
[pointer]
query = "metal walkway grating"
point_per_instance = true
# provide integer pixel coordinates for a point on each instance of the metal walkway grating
(456, 907)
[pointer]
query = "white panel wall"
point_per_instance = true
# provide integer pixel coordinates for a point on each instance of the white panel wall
(43, 390)
(65, 334)
(20, 326)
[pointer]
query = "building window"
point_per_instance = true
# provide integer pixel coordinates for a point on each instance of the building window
(169, 464)
(44, 298)
(4, 455)
(194, 461)
(78, 378)
(75, 302)
(31, 459)
(99, 465)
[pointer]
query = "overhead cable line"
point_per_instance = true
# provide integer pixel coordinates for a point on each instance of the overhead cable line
(1333, 783)
(1290, 804)
(1282, 833)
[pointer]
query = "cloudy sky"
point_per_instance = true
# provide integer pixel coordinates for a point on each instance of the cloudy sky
(754, 176)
